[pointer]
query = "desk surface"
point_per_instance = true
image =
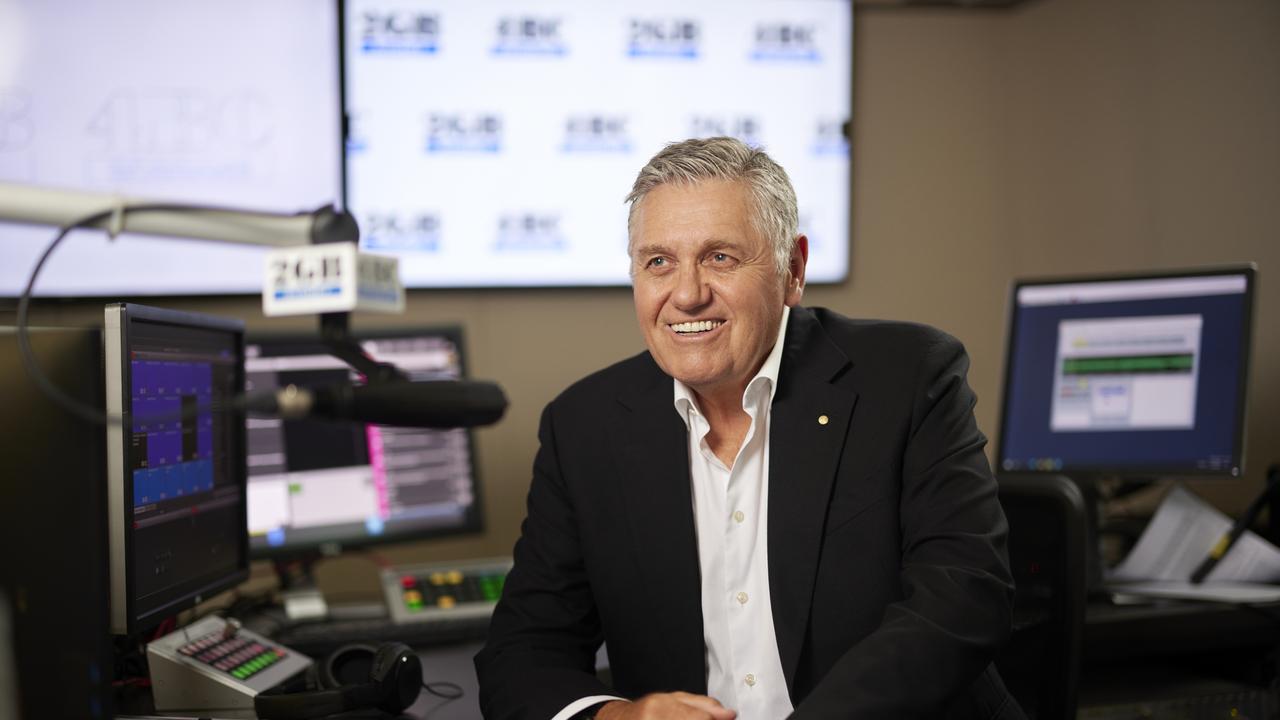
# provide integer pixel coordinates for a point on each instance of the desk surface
(1170, 628)
(449, 664)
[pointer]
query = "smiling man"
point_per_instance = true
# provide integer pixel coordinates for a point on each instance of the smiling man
(775, 511)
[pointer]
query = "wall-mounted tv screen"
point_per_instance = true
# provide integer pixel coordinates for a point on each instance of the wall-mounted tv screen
(486, 144)
(491, 144)
(230, 103)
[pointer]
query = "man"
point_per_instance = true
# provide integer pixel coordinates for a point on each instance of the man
(774, 510)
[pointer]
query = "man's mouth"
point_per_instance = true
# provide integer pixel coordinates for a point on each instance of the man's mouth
(696, 327)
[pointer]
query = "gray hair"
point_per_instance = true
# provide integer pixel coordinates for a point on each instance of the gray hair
(774, 213)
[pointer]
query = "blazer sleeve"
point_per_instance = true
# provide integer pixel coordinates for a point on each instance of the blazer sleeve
(956, 590)
(542, 644)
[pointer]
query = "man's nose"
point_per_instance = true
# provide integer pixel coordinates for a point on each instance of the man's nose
(691, 292)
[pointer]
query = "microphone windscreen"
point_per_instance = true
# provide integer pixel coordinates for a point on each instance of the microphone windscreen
(430, 404)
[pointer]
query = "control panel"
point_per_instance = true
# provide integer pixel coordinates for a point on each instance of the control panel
(214, 664)
(424, 593)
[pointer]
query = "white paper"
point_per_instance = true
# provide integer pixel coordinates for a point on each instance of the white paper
(1179, 538)
(1213, 591)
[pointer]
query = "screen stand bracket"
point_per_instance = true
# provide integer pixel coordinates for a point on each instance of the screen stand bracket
(299, 594)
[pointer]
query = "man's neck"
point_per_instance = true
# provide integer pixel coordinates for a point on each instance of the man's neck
(728, 421)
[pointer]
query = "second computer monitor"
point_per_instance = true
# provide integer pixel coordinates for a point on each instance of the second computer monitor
(317, 485)
(175, 461)
(1128, 376)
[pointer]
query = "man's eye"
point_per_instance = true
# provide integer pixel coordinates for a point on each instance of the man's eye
(657, 262)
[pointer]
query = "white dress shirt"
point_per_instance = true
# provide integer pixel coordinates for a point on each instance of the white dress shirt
(731, 512)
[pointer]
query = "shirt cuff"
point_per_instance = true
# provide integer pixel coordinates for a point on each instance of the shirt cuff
(577, 706)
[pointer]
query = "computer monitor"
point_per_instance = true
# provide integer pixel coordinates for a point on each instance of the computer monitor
(175, 463)
(317, 487)
(1129, 376)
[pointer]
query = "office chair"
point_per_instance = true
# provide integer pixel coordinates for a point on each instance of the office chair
(1048, 556)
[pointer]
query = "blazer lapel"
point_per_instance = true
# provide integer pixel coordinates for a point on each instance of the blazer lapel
(652, 444)
(809, 422)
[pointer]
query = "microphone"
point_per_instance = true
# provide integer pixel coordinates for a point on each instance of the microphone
(53, 206)
(430, 404)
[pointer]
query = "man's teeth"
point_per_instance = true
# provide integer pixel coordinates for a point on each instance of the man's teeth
(699, 326)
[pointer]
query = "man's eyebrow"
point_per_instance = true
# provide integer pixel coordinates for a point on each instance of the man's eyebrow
(720, 244)
(651, 249)
(709, 245)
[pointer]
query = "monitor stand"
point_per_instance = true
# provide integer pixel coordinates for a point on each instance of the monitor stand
(1101, 496)
(299, 594)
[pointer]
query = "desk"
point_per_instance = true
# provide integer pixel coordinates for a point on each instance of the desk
(1175, 650)
(1122, 632)
(444, 664)
(449, 664)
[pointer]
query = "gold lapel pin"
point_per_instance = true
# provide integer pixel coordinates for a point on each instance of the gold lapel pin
(823, 419)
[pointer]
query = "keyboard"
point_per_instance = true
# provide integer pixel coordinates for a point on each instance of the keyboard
(320, 638)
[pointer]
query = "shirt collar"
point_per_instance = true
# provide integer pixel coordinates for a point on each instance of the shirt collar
(766, 380)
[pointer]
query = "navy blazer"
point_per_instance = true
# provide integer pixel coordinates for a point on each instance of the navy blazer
(888, 572)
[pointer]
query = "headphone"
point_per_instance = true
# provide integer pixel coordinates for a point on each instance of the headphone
(388, 678)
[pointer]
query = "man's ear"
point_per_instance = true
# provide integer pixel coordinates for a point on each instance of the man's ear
(795, 272)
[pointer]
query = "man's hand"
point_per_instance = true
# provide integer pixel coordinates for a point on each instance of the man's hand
(659, 706)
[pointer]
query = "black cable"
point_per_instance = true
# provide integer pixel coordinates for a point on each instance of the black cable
(82, 410)
(455, 690)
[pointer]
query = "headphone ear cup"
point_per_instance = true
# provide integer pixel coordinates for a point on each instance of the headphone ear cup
(348, 665)
(397, 673)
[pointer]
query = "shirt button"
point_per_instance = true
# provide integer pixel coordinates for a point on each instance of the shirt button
(742, 598)
(739, 516)
(750, 680)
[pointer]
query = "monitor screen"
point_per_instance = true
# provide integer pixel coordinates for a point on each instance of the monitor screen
(175, 462)
(1128, 375)
(318, 485)
(230, 103)
(492, 143)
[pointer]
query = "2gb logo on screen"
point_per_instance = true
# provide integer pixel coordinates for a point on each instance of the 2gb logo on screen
(400, 32)
(670, 38)
(464, 133)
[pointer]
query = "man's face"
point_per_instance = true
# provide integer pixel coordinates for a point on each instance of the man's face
(708, 295)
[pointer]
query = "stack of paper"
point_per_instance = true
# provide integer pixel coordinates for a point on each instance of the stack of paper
(1178, 538)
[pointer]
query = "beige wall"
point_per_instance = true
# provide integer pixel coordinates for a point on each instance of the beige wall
(1061, 136)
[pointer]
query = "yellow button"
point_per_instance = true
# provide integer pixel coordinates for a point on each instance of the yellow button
(437, 578)
(446, 601)
(742, 598)
(413, 596)
(750, 680)
(454, 577)
(739, 516)
(823, 419)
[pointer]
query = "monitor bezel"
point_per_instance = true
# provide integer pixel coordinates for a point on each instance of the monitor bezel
(127, 618)
(1154, 470)
(475, 520)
